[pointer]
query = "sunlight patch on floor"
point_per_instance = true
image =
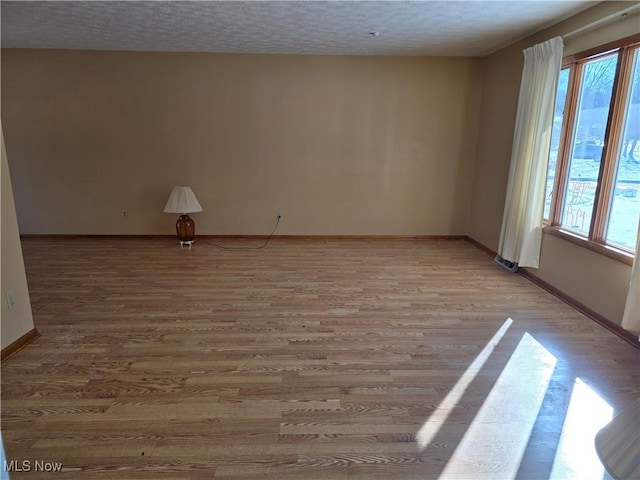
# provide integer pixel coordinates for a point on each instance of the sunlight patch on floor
(576, 455)
(493, 445)
(431, 427)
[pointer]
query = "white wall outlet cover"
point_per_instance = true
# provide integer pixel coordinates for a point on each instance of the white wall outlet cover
(11, 300)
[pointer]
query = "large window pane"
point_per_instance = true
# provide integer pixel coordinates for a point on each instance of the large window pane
(622, 225)
(558, 115)
(596, 85)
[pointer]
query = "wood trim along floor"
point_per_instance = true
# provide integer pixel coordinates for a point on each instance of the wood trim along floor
(582, 308)
(572, 302)
(19, 344)
(482, 247)
(255, 237)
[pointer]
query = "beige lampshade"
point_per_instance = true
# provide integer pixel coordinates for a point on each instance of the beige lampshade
(182, 200)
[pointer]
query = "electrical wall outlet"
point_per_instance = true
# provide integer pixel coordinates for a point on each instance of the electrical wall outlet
(125, 214)
(11, 300)
(279, 214)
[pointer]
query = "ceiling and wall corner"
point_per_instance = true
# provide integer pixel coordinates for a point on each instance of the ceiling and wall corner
(415, 28)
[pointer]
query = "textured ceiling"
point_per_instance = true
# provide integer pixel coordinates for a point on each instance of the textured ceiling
(469, 28)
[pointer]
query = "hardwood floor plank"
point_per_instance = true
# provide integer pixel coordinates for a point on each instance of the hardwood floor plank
(310, 359)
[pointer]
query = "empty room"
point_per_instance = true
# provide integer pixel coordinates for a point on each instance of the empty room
(320, 240)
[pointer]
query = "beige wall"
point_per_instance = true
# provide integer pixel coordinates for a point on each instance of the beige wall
(598, 282)
(343, 145)
(17, 321)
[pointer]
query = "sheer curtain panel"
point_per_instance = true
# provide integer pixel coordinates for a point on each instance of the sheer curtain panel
(631, 318)
(521, 233)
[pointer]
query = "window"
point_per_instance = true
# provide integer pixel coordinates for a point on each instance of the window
(593, 178)
(558, 115)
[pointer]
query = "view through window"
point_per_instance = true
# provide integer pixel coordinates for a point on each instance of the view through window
(558, 116)
(625, 204)
(593, 178)
(594, 101)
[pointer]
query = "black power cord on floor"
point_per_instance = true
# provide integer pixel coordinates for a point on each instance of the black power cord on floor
(258, 247)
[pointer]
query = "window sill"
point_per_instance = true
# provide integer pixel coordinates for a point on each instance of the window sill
(607, 250)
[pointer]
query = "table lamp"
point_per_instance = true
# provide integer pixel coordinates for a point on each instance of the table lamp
(183, 201)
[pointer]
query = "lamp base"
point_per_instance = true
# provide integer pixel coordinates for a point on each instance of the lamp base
(185, 229)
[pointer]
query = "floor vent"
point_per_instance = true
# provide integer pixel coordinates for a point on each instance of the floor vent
(511, 266)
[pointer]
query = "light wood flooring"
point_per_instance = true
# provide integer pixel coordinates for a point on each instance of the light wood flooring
(309, 359)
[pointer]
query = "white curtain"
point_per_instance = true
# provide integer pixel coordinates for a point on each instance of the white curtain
(631, 318)
(521, 233)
